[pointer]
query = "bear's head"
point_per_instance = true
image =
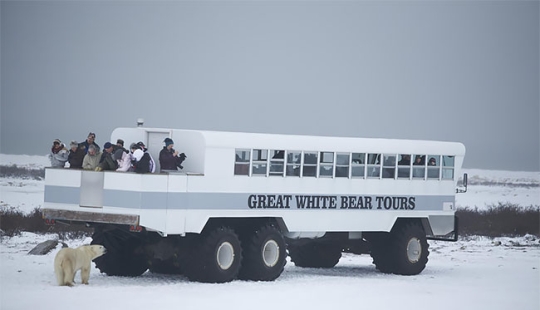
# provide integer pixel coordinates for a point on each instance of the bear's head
(96, 250)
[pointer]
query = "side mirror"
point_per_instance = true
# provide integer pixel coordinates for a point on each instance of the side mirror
(464, 184)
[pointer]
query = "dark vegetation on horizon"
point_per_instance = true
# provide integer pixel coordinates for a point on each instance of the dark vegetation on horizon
(14, 171)
(504, 219)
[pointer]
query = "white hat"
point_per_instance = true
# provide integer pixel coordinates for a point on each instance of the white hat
(138, 154)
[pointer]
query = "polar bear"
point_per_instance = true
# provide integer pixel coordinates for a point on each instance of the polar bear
(68, 261)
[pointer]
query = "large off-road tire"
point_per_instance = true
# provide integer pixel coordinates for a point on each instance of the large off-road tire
(410, 249)
(380, 252)
(264, 253)
(403, 251)
(315, 255)
(215, 257)
(125, 255)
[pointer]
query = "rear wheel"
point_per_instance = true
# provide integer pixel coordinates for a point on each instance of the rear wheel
(380, 252)
(264, 254)
(215, 257)
(316, 255)
(125, 255)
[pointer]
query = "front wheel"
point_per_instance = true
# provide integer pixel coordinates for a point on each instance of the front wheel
(410, 249)
(403, 251)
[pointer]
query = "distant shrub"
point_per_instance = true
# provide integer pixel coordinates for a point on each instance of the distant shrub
(14, 171)
(13, 222)
(500, 220)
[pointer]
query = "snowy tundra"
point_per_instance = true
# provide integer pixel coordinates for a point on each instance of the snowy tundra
(473, 273)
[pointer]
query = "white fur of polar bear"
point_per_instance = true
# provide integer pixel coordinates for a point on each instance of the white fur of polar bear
(68, 261)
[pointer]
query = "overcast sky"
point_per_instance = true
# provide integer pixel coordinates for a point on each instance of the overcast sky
(446, 70)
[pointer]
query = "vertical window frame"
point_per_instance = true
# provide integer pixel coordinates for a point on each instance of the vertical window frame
(238, 164)
(389, 166)
(376, 167)
(446, 168)
(337, 165)
(292, 164)
(361, 164)
(315, 165)
(421, 167)
(324, 164)
(276, 160)
(259, 162)
(404, 167)
(436, 168)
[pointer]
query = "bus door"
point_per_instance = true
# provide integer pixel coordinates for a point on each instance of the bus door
(156, 144)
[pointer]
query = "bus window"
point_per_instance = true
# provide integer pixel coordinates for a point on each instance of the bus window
(241, 163)
(310, 164)
(342, 165)
(260, 162)
(389, 166)
(293, 163)
(448, 167)
(433, 166)
(419, 167)
(326, 166)
(277, 162)
(373, 165)
(404, 166)
(358, 165)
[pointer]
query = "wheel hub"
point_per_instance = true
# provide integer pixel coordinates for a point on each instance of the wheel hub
(270, 253)
(414, 250)
(225, 255)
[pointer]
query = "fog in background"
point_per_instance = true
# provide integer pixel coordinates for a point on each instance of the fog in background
(445, 70)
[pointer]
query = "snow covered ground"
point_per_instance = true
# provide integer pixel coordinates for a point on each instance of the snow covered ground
(473, 273)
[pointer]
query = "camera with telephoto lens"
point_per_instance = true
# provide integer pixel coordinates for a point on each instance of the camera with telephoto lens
(182, 157)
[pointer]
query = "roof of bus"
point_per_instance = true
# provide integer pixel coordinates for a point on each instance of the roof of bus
(225, 139)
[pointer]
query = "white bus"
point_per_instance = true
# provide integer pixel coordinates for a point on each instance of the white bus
(243, 200)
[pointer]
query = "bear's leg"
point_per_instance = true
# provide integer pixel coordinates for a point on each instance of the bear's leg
(69, 273)
(85, 274)
(59, 275)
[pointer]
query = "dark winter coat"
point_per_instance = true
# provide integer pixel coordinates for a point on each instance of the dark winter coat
(143, 165)
(107, 162)
(76, 158)
(168, 161)
(85, 144)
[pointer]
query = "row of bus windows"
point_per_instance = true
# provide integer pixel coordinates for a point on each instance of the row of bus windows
(343, 165)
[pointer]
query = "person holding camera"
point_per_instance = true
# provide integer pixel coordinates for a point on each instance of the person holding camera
(169, 159)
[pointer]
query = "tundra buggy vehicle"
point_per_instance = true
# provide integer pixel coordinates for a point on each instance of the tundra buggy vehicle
(244, 201)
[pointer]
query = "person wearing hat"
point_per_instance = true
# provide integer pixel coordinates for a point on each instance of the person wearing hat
(141, 145)
(91, 159)
(119, 146)
(59, 154)
(141, 161)
(90, 140)
(123, 160)
(107, 162)
(76, 155)
(169, 158)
